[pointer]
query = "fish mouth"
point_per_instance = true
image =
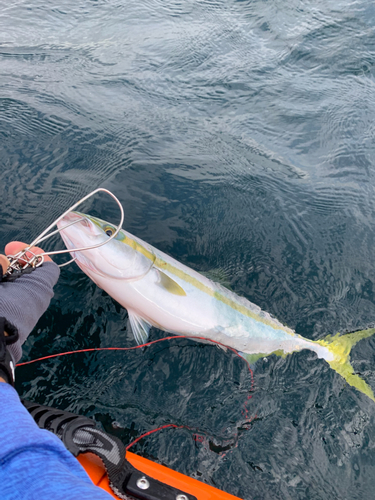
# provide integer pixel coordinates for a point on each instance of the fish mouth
(75, 226)
(73, 218)
(77, 231)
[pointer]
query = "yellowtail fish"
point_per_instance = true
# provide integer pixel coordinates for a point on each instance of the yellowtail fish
(159, 291)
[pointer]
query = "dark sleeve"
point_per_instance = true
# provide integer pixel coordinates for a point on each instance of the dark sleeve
(23, 301)
(34, 464)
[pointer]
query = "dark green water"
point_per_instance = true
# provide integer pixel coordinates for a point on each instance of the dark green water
(239, 136)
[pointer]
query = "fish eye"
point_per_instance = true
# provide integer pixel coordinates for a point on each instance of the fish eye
(109, 231)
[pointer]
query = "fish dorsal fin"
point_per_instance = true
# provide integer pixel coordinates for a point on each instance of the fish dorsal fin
(219, 276)
(170, 285)
(140, 327)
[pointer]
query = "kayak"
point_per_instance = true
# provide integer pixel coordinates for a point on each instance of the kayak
(98, 475)
(111, 467)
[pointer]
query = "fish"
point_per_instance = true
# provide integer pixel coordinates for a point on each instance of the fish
(159, 291)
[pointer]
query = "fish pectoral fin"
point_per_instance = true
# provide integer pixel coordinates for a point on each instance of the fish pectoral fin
(169, 284)
(140, 327)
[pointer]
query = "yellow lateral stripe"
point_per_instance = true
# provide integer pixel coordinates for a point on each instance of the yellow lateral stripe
(161, 264)
(138, 248)
(125, 239)
(217, 295)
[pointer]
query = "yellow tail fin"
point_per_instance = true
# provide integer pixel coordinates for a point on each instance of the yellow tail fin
(340, 347)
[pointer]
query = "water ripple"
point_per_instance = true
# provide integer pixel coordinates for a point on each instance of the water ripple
(239, 137)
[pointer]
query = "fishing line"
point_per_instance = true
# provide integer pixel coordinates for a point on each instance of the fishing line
(148, 433)
(93, 349)
(197, 437)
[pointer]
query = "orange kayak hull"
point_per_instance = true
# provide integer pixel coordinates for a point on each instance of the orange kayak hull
(97, 473)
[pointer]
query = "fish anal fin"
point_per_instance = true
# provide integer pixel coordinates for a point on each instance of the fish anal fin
(170, 285)
(139, 327)
(251, 358)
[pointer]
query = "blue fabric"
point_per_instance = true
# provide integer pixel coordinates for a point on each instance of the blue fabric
(34, 464)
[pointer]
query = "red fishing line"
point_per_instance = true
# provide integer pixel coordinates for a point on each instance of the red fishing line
(93, 349)
(152, 432)
(197, 437)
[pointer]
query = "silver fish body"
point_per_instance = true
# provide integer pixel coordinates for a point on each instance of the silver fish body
(159, 291)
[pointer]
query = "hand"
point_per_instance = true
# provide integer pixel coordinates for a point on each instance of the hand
(14, 247)
(4, 263)
(24, 300)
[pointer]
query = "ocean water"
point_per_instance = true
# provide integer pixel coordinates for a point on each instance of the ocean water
(239, 137)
